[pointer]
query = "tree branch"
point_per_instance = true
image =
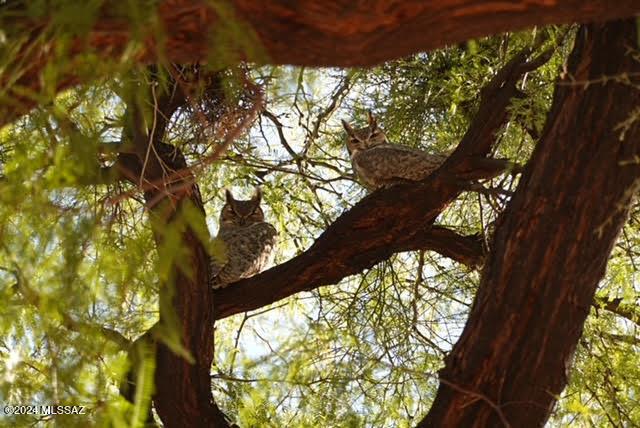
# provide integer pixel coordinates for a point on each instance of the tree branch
(339, 33)
(467, 250)
(283, 140)
(624, 338)
(329, 259)
(495, 97)
(32, 297)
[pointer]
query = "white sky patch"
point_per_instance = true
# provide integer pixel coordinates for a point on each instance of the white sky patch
(12, 359)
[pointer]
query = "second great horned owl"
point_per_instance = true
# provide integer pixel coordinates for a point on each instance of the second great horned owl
(378, 163)
(249, 241)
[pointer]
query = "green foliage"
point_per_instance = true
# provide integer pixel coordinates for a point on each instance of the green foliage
(80, 264)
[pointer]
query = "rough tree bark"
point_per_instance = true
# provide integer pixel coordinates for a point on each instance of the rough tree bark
(305, 32)
(552, 245)
(183, 394)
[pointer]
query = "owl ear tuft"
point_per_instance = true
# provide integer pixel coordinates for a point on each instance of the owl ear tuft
(373, 122)
(347, 128)
(257, 195)
(229, 195)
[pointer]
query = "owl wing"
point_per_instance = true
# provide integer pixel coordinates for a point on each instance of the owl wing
(389, 163)
(249, 250)
(266, 240)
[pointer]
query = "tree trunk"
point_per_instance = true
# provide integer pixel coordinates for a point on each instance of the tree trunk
(552, 245)
(183, 396)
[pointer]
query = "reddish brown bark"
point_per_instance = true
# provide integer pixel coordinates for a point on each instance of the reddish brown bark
(305, 32)
(552, 246)
(183, 394)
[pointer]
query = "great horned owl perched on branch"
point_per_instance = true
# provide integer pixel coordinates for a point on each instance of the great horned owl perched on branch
(378, 163)
(248, 240)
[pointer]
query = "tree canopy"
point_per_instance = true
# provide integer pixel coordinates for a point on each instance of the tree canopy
(446, 302)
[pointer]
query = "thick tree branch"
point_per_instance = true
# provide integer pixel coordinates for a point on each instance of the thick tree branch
(374, 231)
(552, 245)
(331, 33)
(467, 250)
(383, 223)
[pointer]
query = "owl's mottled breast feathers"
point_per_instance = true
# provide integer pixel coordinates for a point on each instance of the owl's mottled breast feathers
(378, 163)
(249, 250)
(249, 241)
